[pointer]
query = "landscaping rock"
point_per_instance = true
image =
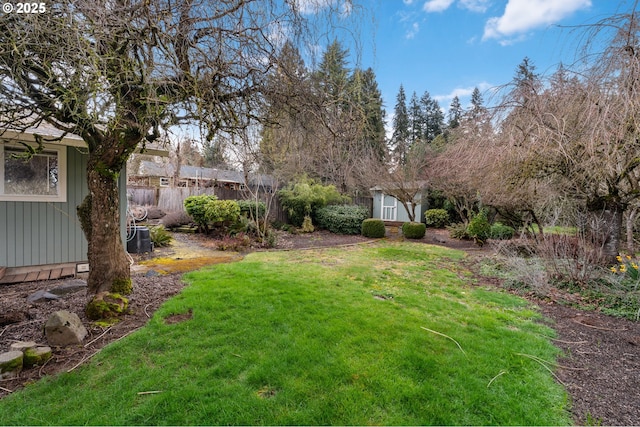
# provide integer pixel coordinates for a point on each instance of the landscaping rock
(23, 345)
(41, 296)
(64, 329)
(36, 356)
(69, 287)
(10, 364)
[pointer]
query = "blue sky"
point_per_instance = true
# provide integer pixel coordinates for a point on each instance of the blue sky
(448, 47)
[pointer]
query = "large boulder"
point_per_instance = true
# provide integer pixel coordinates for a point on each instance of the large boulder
(64, 329)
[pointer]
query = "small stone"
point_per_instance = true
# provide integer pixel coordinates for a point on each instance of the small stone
(23, 345)
(151, 273)
(10, 364)
(41, 296)
(36, 356)
(69, 287)
(64, 329)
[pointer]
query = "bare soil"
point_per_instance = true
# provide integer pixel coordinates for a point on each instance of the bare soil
(600, 368)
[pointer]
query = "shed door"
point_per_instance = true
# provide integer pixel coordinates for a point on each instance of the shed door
(389, 208)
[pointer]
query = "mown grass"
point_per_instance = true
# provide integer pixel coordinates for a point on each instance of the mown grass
(362, 335)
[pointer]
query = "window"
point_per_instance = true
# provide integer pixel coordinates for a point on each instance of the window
(39, 179)
(164, 182)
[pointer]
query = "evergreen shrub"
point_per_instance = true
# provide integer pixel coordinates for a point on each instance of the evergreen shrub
(225, 211)
(342, 219)
(500, 231)
(458, 231)
(413, 230)
(305, 197)
(159, 236)
(437, 218)
(373, 228)
(252, 209)
(196, 208)
(479, 228)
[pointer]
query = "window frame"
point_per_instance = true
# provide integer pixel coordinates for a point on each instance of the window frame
(61, 197)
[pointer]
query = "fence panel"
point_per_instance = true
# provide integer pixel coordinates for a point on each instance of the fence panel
(172, 199)
(142, 196)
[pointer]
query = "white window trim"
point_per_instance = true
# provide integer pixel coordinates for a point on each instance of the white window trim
(61, 197)
(165, 181)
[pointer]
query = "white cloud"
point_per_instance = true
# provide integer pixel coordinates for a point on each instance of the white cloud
(411, 33)
(521, 16)
(312, 7)
(437, 5)
(462, 93)
(479, 6)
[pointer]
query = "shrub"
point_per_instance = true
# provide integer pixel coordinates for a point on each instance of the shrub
(500, 231)
(479, 228)
(304, 197)
(307, 225)
(342, 219)
(413, 230)
(252, 208)
(159, 236)
(373, 228)
(458, 231)
(175, 219)
(437, 218)
(236, 243)
(195, 207)
(222, 211)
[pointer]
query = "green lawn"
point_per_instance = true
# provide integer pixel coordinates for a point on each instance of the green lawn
(362, 335)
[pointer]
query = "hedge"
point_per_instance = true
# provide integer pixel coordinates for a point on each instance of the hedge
(342, 219)
(373, 228)
(413, 230)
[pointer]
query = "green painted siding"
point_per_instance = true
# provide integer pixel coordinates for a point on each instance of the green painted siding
(36, 233)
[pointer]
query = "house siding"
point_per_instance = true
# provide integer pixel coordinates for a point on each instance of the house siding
(37, 233)
(380, 200)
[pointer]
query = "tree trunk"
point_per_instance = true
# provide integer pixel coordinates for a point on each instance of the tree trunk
(606, 227)
(100, 218)
(631, 221)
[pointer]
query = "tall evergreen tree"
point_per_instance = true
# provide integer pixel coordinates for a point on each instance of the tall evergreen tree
(455, 113)
(416, 120)
(369, 98)
(433, 117)
(401, 136)
(283, 133)
(333, 74)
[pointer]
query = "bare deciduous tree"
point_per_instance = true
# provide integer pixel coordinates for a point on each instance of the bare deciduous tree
(118, 73)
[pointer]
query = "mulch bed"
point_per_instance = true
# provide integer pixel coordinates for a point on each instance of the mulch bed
(600, 369)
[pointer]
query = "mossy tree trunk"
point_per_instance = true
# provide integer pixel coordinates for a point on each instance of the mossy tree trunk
(99, 216)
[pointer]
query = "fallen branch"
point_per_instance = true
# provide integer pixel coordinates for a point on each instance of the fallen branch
(541, 362)
(6, 389)
(17, 324)
(596, 327)
(145, 310)
(84, 359)
(569, 342)
(446, 336)
(494, 378)
(98, 337)
(141, 393)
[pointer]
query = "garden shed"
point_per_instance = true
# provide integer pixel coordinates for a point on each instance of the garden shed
(40, 234)
(388, 208)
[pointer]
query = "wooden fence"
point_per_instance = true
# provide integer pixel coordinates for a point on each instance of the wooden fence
(172, 199)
